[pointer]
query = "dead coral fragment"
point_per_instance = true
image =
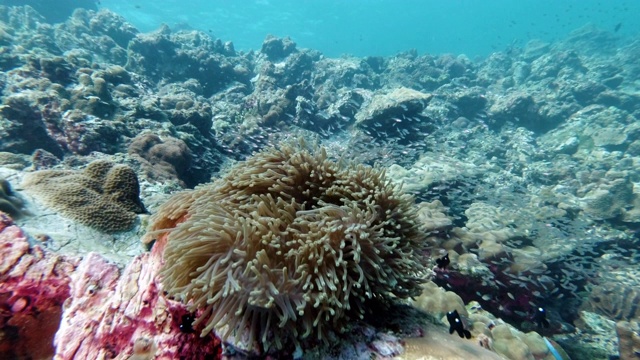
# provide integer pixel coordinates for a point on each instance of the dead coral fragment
(104, 196)
(288, 245)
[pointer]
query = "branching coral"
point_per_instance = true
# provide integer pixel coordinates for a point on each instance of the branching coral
(289, 245)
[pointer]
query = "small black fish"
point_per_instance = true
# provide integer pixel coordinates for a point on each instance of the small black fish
(186, 325)
(455, 324)
(618, 26)
(443, 262)
(540, 317)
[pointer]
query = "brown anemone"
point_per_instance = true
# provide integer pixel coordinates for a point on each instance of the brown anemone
(288, 245)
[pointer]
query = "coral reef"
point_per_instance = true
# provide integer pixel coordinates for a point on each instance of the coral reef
(92, 307)
(105, 37)
(76, 96)
(177, 57)
(525, 162)
(509, 342)
(104, 196)
(23, 128)
(180, 107)
(288, 246)
(488, 331)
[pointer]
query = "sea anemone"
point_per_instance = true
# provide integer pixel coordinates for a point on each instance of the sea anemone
(289, 245)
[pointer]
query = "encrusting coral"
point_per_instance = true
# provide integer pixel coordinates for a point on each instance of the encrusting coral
(104, 196)
(289, 245)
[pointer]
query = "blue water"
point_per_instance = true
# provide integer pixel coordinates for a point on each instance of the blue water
(384, 27)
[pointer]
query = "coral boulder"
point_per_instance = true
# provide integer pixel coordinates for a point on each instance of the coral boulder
(104, 196)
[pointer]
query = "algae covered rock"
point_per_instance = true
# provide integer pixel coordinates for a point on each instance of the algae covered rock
(395, 113)
(276, 48)
(104, 196)
(609, 199)
(14, 161)
(394, 103)
(10, 202)
(163, 56)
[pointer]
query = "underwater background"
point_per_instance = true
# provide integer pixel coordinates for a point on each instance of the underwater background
(385, 27)
(468, 181)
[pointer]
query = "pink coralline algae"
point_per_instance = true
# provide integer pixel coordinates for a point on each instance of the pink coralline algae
(71, 308)
(34, 284)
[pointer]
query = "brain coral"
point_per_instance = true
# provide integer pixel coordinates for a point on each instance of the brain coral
(104, 196)
(289, 245)
(161, 160)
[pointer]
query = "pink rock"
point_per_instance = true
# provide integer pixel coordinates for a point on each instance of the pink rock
(109, 314)
(19, 305)
(33, 287)
(104, 312)
(13, 244)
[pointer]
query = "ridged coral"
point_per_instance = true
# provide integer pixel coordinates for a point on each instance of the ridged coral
(104, 196)
(616, 301)
(288, 245)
